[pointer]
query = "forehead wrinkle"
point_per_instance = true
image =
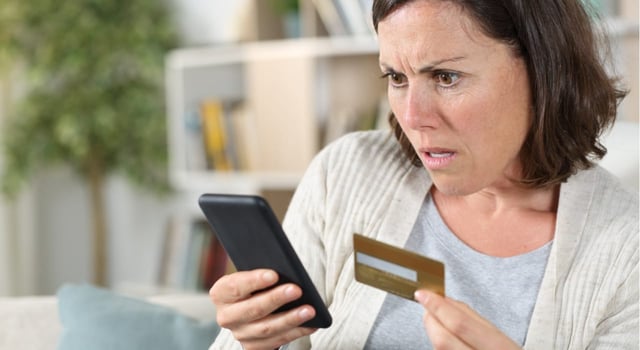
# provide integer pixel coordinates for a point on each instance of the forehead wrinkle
(420, 56)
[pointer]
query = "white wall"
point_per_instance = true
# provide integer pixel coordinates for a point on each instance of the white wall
(17, 236)
(6, 260)
(63, 227)
(208, 21)
(136, 222)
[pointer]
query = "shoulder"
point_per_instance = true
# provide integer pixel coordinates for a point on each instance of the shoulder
(599, 217)
(364, 145)
(591, 281)
(357, 172)
(362, 156)
(604, 195)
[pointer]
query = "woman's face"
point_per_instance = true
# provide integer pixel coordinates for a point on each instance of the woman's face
(462, 98)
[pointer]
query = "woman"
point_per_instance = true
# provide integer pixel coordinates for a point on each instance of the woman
(496, 110)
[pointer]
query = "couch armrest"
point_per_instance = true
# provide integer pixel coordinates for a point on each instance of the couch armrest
(198, 306)
(29, 323)
(32, 323)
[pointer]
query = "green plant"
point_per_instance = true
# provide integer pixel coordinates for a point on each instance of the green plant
(285, 6)
(94, 100)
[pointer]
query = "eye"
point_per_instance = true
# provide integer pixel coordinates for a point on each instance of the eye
(395, 79)
(446, 79)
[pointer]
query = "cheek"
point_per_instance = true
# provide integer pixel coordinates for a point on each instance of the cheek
(397, 107)
(497, 140)
(495, 119)
(394, 102)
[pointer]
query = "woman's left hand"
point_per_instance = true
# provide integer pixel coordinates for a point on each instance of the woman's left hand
(451, 324)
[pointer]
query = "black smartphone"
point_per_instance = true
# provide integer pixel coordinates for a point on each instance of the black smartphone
(253, 238)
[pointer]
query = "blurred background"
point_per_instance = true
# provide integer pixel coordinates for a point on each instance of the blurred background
(116, 115)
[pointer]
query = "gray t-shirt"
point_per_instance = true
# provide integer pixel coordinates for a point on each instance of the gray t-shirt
(502, 290)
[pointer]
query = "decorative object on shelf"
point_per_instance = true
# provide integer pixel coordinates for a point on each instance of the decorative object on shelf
(94, 95)
(290, 12)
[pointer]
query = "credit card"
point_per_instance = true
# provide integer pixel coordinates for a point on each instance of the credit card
(394, 269)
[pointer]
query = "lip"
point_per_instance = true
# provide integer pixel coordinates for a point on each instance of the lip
(437, 158)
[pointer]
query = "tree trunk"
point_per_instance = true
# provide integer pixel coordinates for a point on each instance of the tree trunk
(96, 185)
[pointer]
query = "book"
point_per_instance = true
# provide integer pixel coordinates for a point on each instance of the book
(192, 262)
(205, 260)
(166, 254)
(195, 156)
(174, 253)
(215, 136)
(213, 260)
(244, 138)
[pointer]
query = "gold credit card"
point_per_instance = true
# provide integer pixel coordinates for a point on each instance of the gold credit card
(395, 270)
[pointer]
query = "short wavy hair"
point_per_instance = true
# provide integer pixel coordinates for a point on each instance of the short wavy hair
(574, 99)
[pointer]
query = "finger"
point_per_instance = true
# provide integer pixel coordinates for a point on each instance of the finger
(441, 338)
(277, 341)
(464, 323)
(450, 316)
(256, 307)
(241, 285)
(279, 326)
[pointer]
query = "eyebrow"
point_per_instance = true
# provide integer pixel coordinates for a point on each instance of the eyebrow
(430, 67)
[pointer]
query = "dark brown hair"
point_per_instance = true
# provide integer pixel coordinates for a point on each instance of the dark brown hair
(574, 100)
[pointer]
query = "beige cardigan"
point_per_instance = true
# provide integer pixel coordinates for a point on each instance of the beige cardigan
(362, 183)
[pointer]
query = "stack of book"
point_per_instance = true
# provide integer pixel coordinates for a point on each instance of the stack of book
(218, 137)
(192, 259)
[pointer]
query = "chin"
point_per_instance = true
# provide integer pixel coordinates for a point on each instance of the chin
(453, 187)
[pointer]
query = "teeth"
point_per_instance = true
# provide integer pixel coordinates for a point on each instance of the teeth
(440, 155)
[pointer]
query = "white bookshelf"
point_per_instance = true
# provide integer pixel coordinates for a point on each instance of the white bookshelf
(291, 88)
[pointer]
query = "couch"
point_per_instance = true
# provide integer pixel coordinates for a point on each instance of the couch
(100, 319)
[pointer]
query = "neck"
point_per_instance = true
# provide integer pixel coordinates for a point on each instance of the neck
(500, 199)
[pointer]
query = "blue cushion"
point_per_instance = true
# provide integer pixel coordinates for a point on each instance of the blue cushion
(94, 318)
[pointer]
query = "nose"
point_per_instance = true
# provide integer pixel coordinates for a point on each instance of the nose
(419, 110)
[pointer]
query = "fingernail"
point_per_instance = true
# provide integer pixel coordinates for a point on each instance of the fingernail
(289, 292)
(420, 296)
(304, 314)
(269, 276)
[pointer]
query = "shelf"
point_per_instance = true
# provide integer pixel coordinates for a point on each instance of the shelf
(310, 47)
(240, 182)
(291, 93)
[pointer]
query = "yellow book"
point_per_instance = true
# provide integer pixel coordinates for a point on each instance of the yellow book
(214, 133)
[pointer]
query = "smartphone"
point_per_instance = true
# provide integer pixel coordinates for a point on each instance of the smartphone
(253, 238)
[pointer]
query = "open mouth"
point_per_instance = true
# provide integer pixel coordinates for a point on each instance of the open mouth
(438, 159)
(440, 154)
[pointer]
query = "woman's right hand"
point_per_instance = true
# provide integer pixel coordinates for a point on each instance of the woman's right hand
(248, 314)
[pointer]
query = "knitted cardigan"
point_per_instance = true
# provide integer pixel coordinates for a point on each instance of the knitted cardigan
(362, 183)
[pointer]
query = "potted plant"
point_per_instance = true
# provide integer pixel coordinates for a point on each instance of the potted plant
(94, 95)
